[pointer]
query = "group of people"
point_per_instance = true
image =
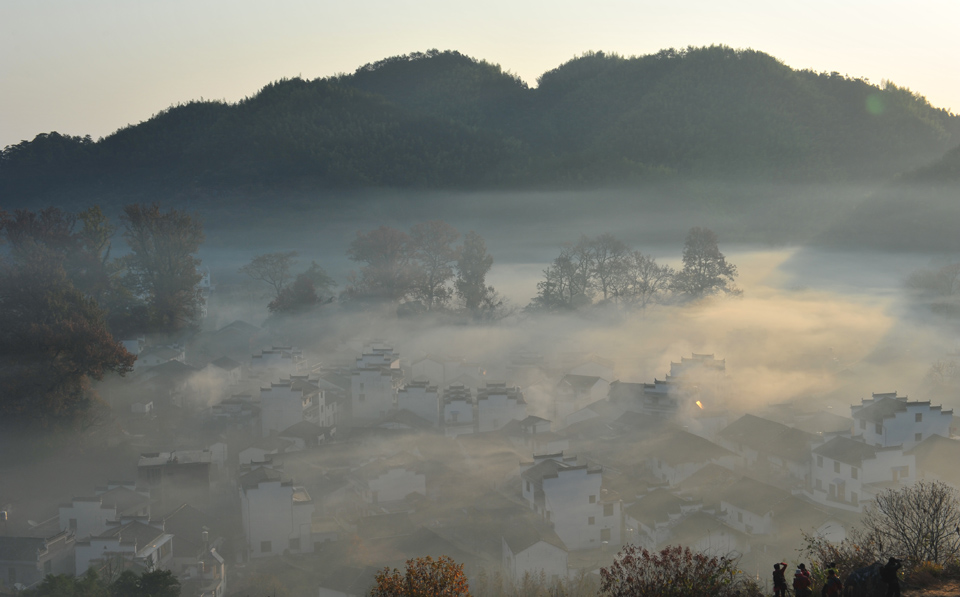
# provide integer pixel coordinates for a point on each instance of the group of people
(803, 583)
(801, 580)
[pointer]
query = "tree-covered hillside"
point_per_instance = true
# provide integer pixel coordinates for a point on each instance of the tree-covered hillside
(445, 120)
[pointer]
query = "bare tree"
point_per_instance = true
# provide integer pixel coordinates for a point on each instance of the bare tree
(919, 523)
(608, 254)
(271, 268)
(642, 280)
(431, 245)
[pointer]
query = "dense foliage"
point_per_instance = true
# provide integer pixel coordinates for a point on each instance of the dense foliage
(606, 268)
(674, 571)
(423, 577)
(442, 119)
(158, 583)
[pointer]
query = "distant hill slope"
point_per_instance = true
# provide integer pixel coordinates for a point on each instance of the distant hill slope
(918, 211)
(445, 120)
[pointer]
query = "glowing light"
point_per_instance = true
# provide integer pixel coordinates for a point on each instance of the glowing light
(699, 404)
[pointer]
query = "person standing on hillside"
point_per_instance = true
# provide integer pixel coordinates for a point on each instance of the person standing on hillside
(801, 582)
(779, 580)
(888, 574)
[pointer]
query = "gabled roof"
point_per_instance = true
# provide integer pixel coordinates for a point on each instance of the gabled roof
(226, 363)
(304, 430)
(884, 408)
(770, 437)
(936, 446)
(580, 383)
(133, 533)
(124, 499)
(656, 506)
(260, 475)
(696, 525)
(174, 369)
(21, 549)
(680, 447)
(847, 451)
(520, 535)
(825, 422)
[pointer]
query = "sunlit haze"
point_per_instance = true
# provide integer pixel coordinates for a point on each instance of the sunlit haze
(93, 67)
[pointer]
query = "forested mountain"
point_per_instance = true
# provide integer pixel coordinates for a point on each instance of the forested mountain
(445, 120)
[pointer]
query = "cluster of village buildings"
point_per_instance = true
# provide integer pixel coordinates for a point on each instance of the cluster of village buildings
(338, 465)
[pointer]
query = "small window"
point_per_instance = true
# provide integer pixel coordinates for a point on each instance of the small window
(863, 424)
(918, 417)
(528, 485)
(853, 472)
(295, 544)
(608, 509)
(820, 461)
(917, 437)
(591, 520)
(836, 467)
(604, 534)
(266, 547)
(593, 499)
(73, 524)
(854, 498)
(879, 429)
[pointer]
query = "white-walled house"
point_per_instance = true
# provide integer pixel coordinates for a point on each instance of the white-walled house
(527, 551)
(571, 497)
(276, 514)
(680, 454)
(134, 539)
(758, 509)
(574, 392)
(373, 393)
(277, 362)
(847, 473)
(458, 411)
(889, 420)
(378, 357)
(770, 448)
(282, 404)
(422, 399)
(497, 405)
(26, 561)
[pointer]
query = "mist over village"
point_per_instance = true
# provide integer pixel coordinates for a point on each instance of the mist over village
(683, 322)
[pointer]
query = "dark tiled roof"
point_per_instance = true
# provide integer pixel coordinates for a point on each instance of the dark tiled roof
(679, 447)
(260, 475)
(656, 506)
(521, 535)
(124, 500)
(134, 533)
(226, 363)
(580, 383)
(20, 549)
(884, 408)
(847, 451)
(766, 436)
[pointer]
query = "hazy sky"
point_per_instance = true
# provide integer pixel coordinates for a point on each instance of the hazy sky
(93, 66)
